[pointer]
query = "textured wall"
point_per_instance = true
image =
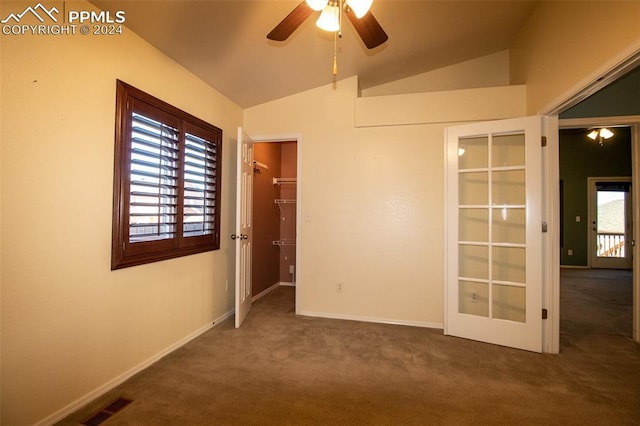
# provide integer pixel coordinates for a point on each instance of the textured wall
(70, 325)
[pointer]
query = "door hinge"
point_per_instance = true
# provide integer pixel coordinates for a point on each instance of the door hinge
(545, 314)
(544, 141)
(545, 227)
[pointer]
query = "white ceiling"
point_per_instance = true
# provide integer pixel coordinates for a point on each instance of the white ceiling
(224, 42)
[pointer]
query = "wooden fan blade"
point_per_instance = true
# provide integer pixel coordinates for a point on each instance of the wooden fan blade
(368, 28)
(288, 25)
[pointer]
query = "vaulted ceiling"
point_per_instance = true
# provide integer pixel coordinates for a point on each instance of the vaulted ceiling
(224, 42)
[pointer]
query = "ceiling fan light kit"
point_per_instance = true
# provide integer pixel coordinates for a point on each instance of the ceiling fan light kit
(317, 5)
(360, 7)
(600, 135)
(330, 20)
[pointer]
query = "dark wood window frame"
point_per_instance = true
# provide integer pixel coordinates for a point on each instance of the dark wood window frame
(172, 160)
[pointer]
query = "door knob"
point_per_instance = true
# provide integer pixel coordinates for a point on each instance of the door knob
(243, 237)
(234, 236)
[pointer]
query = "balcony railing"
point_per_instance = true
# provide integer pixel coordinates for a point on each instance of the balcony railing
(610, 245)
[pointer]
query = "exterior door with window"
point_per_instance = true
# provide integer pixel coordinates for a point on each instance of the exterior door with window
(494, 235)
(610, 222)
(244, 229)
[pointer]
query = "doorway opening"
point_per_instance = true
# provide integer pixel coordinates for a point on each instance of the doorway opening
(274, 216)
(597, 218)
(595, 111)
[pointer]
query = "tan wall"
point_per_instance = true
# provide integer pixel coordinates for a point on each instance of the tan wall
(266, 218)
(70, 325)
(372, 205)
(486, 71)
(565, 45)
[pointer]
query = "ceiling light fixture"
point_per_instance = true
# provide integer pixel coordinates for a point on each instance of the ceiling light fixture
(317, 5)
(359, 7)
(331, 18)
(600, 135)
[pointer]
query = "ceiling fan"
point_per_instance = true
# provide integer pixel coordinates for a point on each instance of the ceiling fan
(330, 19)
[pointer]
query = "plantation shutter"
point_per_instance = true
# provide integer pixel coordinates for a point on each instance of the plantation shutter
(199, 208)
(154, 180)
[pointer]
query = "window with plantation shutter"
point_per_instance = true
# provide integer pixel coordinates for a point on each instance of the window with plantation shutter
(166, 181)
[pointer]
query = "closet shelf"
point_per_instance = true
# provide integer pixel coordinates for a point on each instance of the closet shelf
(261, 165)
(283, 181)
(284, 243)
(284, 201)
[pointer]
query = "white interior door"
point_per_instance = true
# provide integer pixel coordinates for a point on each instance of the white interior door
(494, 233)
(244, 230)
(610, 222)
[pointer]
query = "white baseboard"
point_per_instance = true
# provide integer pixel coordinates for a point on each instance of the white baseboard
(270, 289)
(98, 392)
(263, 293)
(373, 319)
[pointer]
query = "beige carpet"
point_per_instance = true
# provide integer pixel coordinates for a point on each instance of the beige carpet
(279, 369)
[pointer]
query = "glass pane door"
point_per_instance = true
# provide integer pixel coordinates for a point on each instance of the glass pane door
(494, 290)
(491, 221)
(611, 224)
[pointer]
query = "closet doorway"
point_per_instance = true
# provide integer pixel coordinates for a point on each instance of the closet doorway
(275, 206)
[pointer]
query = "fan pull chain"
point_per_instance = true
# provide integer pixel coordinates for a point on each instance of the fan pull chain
(335, 54)
(335, 38)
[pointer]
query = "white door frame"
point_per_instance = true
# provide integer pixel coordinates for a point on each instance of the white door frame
(297, 137)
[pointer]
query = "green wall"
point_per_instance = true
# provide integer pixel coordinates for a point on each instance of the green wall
(620, 98)
(580, 157)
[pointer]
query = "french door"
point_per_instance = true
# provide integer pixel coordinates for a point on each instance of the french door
(494, 232)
